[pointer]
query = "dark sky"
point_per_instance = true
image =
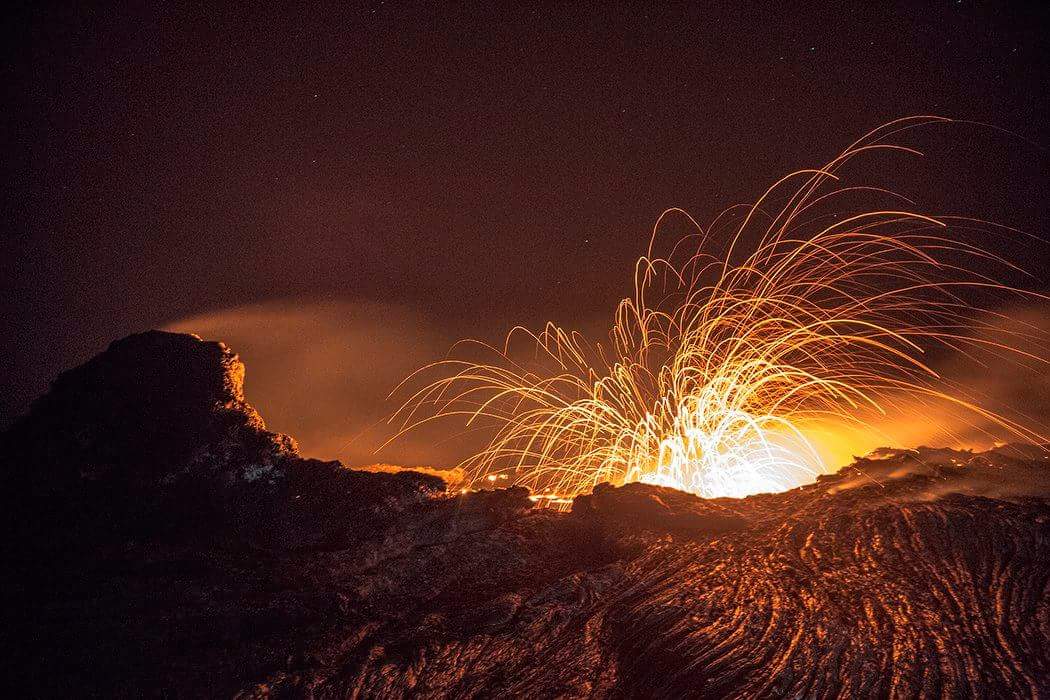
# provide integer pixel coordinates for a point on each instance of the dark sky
(475, 167)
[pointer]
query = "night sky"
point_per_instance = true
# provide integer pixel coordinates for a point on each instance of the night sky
(446, 170)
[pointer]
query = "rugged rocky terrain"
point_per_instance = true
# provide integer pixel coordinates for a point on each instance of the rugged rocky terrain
(162, 542)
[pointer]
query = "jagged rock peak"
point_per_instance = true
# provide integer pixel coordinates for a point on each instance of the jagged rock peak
(152, 408)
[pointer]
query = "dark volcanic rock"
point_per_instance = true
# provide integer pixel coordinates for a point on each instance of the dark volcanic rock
(154, 407)
(154, 438)
(157, 419)
(638, 508)
(168, 545)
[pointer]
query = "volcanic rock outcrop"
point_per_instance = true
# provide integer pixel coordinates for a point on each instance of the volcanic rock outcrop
(165, 544)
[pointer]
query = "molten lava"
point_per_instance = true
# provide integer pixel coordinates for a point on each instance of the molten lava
(719, 365)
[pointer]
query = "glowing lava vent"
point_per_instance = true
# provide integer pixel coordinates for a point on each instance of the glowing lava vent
(719, 364)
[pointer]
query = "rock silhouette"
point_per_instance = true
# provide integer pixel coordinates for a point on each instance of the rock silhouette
(165, 544)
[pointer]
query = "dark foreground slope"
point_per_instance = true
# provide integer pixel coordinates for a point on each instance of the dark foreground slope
(164, 543)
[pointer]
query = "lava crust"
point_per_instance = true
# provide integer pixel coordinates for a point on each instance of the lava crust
(165, 543)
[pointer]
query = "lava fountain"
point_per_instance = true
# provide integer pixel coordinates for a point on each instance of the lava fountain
(719, 364)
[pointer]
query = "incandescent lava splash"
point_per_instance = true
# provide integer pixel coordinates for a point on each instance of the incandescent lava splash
(817, 314)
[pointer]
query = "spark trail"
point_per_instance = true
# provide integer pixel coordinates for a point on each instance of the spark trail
(720, 363)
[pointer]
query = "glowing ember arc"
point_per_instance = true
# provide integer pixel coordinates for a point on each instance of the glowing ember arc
(711, 378)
